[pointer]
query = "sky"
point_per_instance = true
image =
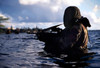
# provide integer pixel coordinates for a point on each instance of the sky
(46, 13)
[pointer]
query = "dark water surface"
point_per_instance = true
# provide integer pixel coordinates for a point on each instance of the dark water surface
(22, 51)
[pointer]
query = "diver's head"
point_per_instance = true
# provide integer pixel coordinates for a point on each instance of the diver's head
(71, 12)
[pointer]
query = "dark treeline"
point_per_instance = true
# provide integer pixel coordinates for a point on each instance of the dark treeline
(19, 30)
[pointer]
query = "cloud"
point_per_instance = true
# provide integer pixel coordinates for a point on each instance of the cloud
(6, 16)
(32, 24)
(73, 2)
(54, 5)
(51, 4)
(26, 17)
(55, 8)
(68, 2)
(20, 18)
(2, 15)
(31, 2)
(95, 9)
(94, 17)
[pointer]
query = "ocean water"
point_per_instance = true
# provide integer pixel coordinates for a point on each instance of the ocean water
(23, 51)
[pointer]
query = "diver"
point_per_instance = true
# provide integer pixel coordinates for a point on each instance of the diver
(73, 39)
